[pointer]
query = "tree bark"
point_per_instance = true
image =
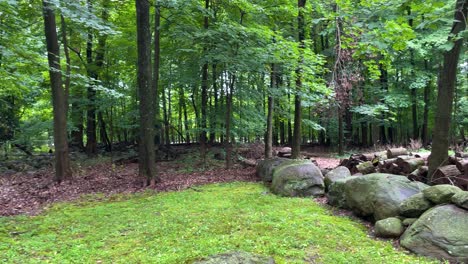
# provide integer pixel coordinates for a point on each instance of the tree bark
(204, 91)
(91, 143)
(269, 130)
(446, 87)
(157, 56)
(427, 98)
(59, 97)
(227, 142)
(296, 144)
(147, 162)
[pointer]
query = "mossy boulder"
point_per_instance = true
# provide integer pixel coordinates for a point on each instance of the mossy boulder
(441, 232)
(298, 180)
(336, 193)
(266, 168)
(340, 172)
(440, 194)
(388, 228)
(237, 258)
(461, 199)
(409, 221)
(379, 195)
(415, 206)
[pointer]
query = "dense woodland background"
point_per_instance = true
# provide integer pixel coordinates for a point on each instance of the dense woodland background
(338, 73)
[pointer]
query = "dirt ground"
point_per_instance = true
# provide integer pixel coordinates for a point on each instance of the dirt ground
(30, 192)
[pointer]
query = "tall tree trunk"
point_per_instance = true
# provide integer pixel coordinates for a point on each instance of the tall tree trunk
(59, 96)
(269, 130)
(446, 87)
(296, 144)
(147, 162)
(204, 91)
(427, 98)
(186, 124)
(227, 142)
(414, 95)
(384, 86)
(215, 110)
(157, 56)
(91, 143)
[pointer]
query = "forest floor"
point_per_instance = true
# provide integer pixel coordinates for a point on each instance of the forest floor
(31, 191)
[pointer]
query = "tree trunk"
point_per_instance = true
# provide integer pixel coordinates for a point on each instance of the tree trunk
(91, 143)
(215, 110)
(228, 121)
(147, 162)
(269, 130)
(414, 94)
(446, 86)
(427, 98)
(204, 91)
(155, 83)
(59, 97)
(296, 144)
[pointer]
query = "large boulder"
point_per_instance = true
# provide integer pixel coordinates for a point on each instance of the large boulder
(336, 193)
(390, 227)
(461, 199)
(379, 195)
(340, 172)
(441, 232)
(415, 206)
(237, 258)
(298, 180)
(440, 194)
(266, 168)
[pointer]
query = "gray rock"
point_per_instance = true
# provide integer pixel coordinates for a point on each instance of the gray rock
(441, 232)
(298, 180)
(390, 227)
(440, 194)
(237, 258)
(461, 199)
(266, 168)
(336, 193)
(379, 195)
(414, 206)
(336, 174)
(409, 221)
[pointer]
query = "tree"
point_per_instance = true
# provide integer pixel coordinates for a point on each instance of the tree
(296, 144)
(446, 87)
(59, 95)
(147, 162)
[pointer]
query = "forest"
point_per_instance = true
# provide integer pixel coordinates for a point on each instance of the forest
(116, 96)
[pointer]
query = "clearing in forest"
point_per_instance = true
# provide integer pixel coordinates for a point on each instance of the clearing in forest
(182, 227)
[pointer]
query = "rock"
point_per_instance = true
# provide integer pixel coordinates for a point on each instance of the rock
(237, 258)
(298, 180)
(441, 232)
(414, 206)
(336, 193)
(409, 221)
(266, 167)
(440, 194)
(390, 227)
(340, 172)
(379, 195)
(461, 199)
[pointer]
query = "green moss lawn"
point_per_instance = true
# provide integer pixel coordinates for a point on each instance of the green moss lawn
(181, 227)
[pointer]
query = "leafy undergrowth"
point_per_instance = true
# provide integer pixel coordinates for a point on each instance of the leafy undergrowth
(181, 227)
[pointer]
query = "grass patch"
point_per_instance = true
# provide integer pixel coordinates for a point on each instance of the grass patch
(181, 227)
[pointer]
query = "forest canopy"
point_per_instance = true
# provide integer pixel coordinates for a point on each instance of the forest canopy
(339, 73)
